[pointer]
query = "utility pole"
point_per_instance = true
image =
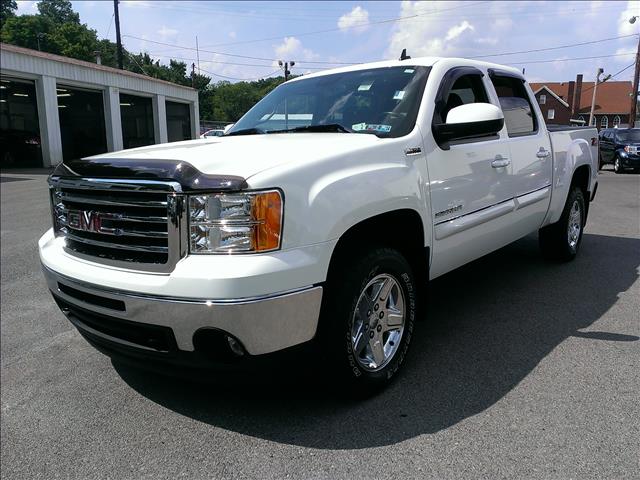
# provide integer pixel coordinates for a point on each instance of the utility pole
(118, 39)
(286, 66)
(193, 75)
(634, 92)
(595, 89)
(198, 54)
(39, 35)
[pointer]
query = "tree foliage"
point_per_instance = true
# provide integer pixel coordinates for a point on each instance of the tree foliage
(57, 29)
(7, 9)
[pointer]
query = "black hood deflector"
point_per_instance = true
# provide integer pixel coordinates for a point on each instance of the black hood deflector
(190, 178)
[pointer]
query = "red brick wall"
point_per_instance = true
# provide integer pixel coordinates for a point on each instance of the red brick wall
(562, 113)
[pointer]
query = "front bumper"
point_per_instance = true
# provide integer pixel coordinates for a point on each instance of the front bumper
(162, 324)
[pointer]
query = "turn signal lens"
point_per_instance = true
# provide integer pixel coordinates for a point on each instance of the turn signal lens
(266, 209)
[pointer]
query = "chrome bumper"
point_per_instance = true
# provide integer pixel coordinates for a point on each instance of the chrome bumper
(262, 325)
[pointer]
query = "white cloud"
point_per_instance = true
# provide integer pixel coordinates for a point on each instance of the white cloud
(457, 30)
(432, 35)
(166, 32)
(232, 34)
(624, 27)
(358, 18)
(291, 49)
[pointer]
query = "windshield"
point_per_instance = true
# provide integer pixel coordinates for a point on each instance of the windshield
(378, 101)
(629, 135)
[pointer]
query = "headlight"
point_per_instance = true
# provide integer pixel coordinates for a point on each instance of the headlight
(235, 222)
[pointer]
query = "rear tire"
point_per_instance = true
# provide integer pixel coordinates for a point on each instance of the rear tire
(561, 240)
(367, 318)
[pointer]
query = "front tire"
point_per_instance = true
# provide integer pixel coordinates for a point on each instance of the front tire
(561, 240)
(617, 165)
(367, 318)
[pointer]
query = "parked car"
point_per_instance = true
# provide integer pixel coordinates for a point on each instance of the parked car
(325, 232)
(212, 133)
(621, 148)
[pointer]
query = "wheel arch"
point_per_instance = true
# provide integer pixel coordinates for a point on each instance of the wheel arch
(401, 229)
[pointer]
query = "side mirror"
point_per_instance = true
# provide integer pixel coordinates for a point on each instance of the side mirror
(469, 121)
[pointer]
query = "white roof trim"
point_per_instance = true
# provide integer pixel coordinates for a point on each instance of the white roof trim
(544, 87)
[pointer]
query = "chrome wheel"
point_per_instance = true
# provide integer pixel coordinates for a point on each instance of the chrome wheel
(616, 165)
(378, 322)
(575, 225)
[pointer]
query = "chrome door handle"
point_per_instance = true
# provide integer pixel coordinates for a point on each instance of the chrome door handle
(500, 162)
(542, 153)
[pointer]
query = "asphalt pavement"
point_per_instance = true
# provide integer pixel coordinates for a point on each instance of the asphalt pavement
(521, 369)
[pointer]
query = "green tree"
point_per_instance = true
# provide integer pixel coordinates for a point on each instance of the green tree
(60, 11)
(7, 9)
(30, 31)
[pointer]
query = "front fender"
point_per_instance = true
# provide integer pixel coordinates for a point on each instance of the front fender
(324, 199)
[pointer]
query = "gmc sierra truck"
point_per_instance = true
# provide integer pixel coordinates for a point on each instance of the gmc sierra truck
(317, 218)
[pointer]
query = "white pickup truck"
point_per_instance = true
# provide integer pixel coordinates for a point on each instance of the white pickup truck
(319, 217)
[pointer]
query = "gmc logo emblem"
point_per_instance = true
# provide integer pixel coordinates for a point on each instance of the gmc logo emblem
(84, 220)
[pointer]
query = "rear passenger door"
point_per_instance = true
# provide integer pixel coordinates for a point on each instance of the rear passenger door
(529, 147)
(607, 145)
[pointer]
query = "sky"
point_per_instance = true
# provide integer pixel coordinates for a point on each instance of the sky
(320, 35)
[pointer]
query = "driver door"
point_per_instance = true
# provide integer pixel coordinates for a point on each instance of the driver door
(469, 181)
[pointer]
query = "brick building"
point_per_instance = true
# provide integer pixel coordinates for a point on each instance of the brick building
(561, 102)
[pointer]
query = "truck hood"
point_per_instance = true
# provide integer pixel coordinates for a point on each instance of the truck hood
(246, 155)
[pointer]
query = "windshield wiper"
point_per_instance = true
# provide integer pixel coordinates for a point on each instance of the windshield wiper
(245, 131)
(326, 127)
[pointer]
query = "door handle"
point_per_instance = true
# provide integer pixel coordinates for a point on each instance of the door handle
(542, 153)
(500, 162)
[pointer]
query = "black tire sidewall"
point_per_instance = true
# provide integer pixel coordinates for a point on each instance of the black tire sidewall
(345, 289)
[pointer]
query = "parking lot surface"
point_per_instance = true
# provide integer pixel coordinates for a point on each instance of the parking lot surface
(521, 369)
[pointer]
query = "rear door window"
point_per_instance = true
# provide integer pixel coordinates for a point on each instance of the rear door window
(516, 106)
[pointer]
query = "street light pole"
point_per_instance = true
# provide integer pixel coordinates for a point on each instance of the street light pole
(286, 66)
(593, 97)
(634, 92)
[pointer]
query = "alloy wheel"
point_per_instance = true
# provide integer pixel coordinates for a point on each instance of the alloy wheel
(378, 322)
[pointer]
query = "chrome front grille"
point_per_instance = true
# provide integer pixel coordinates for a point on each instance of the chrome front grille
(134, 225)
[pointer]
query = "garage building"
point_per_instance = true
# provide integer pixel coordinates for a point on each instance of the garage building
(55, 108)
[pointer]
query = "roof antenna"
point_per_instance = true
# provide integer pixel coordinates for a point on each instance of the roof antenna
(403, 55)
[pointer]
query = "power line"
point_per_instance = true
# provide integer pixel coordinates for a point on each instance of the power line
(612, 76)
(364, 24)
(556, 48)
(240, 79)
(570, 59)
(231, 54)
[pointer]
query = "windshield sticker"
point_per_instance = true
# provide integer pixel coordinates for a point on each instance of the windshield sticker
(360, 127)
(409, 70)
(365, 87)
(379, 128)
(399, 95)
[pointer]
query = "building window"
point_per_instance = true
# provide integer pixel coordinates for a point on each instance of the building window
(551, 114)
(616, 121)
(543, 99)
(604, 122)
(593, 121)
(136, 114)
(581, 118)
